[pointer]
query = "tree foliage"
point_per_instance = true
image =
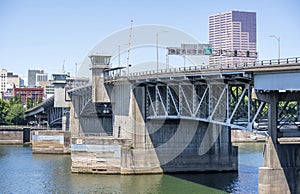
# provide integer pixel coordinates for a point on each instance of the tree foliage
(16, 115)
(29, 103)
(4, 108)
(12, 112)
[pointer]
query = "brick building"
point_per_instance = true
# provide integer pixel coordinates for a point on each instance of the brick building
(33, 93)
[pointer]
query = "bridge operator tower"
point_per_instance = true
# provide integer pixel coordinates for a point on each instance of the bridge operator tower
(100, 63)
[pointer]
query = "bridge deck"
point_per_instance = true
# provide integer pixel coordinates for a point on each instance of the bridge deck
(289, 64)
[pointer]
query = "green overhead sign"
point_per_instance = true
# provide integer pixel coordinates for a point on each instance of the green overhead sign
(207, 51)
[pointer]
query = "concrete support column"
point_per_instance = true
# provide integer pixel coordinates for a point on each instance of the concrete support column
(273, 117)
(64, 123)
(74, 126)
(271, 177)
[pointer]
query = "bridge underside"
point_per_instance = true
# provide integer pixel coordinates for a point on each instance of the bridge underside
(46, 115)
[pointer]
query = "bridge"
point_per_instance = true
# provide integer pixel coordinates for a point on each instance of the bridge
(179, 119)
(46, 114)
(54, 111)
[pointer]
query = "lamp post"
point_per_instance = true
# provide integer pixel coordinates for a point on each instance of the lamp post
(157, 63)
(278, 40)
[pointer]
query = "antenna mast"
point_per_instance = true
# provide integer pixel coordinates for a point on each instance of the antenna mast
(129, 45)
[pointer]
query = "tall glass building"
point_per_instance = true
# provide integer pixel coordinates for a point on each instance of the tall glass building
(229, 31)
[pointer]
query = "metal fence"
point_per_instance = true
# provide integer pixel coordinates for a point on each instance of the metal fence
(207, 68)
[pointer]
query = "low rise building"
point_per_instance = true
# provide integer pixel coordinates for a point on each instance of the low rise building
(33, 93)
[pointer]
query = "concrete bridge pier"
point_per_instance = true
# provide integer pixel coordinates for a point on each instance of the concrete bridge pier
(281, 171)
(129, 123)
(168, 144)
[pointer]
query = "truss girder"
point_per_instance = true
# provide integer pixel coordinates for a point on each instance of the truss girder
(288, 115)
(84, 99)
(222, 103)
(56, 114)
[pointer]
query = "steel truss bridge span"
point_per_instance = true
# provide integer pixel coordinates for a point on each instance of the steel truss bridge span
(221, 99)
(221, 94)
(216, 95)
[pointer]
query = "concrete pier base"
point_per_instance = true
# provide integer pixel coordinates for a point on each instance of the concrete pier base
(11, 136)
(98, 155)
(170, 149)
(140, 161)
(191, 146)
(272, 181)
(50, 142)
(281, 171)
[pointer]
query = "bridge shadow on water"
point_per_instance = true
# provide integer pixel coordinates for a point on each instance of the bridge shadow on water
(243, 181)
(221, 181)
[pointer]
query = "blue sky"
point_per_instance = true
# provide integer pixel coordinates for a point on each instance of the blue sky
(41, 34)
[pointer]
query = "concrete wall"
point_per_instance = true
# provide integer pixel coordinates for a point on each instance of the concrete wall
(11, 136)
(97, 155)
(121, 99)
(190, 146)
(51, 142)
(92, 125)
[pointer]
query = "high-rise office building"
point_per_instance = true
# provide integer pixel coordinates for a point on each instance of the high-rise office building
(232, 31)
(3, 80)
(32, 77)
(7, 80)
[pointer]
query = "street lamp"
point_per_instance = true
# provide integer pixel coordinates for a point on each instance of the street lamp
(278, 40)
(157, 63)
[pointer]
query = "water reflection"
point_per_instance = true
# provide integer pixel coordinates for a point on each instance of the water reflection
(23, 172)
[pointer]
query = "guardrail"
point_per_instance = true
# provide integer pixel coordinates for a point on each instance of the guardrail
(208, 68)
(95, 134)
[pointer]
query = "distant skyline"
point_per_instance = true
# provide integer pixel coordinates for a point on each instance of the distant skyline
(45, 34)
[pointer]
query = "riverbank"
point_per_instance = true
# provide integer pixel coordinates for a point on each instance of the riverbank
(14, 135)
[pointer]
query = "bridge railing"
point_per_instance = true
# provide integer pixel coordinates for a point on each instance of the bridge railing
(95, 134)
(274, 62)
(209, 68)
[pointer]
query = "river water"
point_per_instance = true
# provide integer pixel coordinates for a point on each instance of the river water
(24, 172)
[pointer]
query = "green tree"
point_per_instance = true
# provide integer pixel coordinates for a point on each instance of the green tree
(40, 100)
(4, 109)
(16, 114)
(15, 100)
(29, 103)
